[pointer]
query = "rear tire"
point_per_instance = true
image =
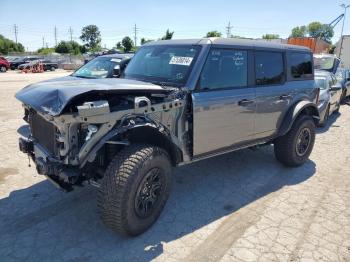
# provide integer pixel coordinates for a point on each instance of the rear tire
(52, 68)
(134, 189)
(294, 148)
(3, 69)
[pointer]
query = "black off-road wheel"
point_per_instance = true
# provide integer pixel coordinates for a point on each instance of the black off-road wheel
(134, 189)
(294, 148)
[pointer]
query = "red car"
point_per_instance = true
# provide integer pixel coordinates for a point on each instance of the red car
(4, 65)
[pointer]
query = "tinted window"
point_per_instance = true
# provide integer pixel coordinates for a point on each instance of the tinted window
(225, 69)
(269, 68)
(300, 65)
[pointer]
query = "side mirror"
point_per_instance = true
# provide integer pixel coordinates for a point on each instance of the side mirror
(116, 71)
(335, 88)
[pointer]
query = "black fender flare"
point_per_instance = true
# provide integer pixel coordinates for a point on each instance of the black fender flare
(294, 111)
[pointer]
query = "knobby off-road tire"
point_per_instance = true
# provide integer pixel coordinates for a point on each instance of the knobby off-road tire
(294, 148)
(134, 189)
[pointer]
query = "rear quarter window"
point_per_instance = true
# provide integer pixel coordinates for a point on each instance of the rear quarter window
(300, 66)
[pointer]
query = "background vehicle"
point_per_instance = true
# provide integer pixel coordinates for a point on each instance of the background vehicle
(330, 94)
(47, 64)
(178, 101)
(343, 76)
(326, 62)
(106, 66)
(4, 64)
(21, 60)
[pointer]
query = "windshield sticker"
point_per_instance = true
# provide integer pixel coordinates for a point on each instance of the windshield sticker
(181, 60)
(116, 60)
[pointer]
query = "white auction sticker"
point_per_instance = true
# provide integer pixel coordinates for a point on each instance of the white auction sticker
(116, 60)
(181, 60)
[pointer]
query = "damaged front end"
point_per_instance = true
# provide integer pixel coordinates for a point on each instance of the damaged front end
(77, 143)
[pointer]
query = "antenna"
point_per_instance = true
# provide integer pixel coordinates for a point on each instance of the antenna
(71, 33)
(135, 34)
(55, 36)
(15, 28)
(228, 30)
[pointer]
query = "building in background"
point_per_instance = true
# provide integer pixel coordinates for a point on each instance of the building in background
(317, 45)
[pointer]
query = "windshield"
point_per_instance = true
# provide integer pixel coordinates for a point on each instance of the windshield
(321, 82)
(100, 67)
(162, 64)
(324, 63)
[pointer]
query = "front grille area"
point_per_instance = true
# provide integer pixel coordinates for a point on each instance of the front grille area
(43, 132)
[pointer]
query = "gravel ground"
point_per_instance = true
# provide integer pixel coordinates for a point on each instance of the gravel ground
(243, 206)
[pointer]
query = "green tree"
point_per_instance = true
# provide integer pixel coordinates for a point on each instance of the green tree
(324, 31)
(46, 50)
(144, 41)
(119, 45)
(127, 44)
(214, 34)
(91, 36)
(299, 31)
(270, 36)
(8, 46)
(168, 35)
(70, 47)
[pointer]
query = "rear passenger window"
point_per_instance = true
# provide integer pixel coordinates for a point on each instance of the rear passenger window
(269, 69)
(225, 69)
(300, 65)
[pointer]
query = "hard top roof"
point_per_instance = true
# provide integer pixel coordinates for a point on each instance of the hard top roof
(229, 42)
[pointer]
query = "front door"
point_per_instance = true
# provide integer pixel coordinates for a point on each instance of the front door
(223, 104)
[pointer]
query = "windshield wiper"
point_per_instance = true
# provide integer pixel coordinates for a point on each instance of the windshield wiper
(80, 76)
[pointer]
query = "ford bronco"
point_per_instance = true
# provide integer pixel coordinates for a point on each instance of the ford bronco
(176, 102)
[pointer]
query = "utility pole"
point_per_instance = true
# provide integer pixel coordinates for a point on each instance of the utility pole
(43, 41)
(135, 34)
(342, 28)
(228, 30)
(15, 28)
(55, 32)
(71, 34)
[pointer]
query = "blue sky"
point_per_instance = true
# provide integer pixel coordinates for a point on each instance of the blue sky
(189, 19)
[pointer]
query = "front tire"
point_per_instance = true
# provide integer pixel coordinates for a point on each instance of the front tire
(3, 69)
(134, 189)
(294, 148)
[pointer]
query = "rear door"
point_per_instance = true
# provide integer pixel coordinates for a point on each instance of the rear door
(224, 101)
(274, 94)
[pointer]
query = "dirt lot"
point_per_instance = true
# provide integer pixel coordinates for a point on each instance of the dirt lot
(242, 206)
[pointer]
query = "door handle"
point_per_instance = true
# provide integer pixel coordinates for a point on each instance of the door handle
(285, 97)
(245, 102)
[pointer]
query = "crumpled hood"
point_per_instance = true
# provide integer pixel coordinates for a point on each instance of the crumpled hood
(53, 95)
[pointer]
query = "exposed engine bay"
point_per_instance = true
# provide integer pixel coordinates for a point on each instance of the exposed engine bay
(73, 146)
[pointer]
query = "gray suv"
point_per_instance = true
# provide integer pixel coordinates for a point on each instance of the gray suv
(176, 102)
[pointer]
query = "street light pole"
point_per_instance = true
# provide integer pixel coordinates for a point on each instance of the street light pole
(342, 28)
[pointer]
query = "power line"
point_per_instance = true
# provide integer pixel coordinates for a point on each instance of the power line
(228, 30)
(15, 27)
(135, 34)
(55, 32)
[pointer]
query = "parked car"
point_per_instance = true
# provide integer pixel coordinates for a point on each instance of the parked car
(330, 94)
(177, 101)
(22, 60)
(4, 64)
(327, 62)
(106, 66)
(343, 76)
(47, 65)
